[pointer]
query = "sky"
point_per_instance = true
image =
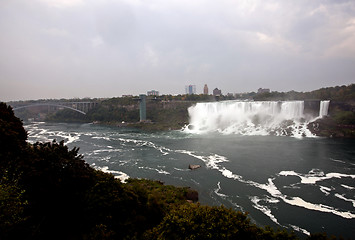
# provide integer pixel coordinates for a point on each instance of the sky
(109, 48)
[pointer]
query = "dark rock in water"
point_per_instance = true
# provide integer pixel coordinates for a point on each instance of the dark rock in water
(190, 127)
(193, 167)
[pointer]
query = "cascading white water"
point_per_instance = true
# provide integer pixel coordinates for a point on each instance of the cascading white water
(249, 118)
(323, 108)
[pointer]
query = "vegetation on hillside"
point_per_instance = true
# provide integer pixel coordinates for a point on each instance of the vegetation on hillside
(338, 93)
(49, 192)
(170, 112)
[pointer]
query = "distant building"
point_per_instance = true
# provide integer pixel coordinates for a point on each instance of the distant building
(217, 92)
(153, 93)
(205, 90)
(190, 89)
(263, 90)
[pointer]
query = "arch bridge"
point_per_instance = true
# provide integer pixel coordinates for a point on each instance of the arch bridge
(80, 107)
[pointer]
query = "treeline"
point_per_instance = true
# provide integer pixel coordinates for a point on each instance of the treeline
(170, 112)
(108, 110)
(163, 114)
(338, 93)
(49, 192)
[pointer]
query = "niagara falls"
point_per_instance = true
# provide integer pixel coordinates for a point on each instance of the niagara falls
(277, 118)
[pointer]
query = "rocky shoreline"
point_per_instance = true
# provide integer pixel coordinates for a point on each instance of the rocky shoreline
(328, 127)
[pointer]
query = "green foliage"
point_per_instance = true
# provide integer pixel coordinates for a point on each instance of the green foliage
(322, 236)
(168, 115)
(345, 117)
(339, 93)
(113, 113)
(12, 206)
(67, 115)
(111, 207)
(12, 140)
(193, 221)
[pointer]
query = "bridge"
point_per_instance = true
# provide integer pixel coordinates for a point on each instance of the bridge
(80, 107)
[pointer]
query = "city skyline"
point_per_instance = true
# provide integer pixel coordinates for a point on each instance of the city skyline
(85, 48)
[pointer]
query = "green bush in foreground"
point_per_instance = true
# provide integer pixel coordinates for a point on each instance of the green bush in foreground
(194, 221)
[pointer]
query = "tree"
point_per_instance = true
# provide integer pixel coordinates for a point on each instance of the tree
(193, 221)
(12, 141)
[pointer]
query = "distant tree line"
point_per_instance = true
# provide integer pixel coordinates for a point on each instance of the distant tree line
(338, 93)
(170, 112)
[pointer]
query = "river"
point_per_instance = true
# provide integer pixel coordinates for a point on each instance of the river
(305, 184)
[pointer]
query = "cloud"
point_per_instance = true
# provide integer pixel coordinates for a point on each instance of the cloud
(63, 3)
(56, 32)
(130, 45)
(97, 41)
(151, 56)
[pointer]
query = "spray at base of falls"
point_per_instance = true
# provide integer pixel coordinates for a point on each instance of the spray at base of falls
(253, 118)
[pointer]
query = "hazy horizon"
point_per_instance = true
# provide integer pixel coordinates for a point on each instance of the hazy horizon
(137, 95)
(53, 49)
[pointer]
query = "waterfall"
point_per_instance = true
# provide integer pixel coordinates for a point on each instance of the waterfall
(323, 109)
(249, 118)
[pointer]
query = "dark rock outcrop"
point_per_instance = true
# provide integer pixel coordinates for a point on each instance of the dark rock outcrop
(193, 167)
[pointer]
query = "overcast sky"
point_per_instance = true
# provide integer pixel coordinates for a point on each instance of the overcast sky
(106, 48)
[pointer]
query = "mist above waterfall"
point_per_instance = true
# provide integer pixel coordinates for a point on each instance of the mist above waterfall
(252, 118)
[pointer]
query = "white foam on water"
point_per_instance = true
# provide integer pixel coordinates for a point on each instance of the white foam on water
(193, 180)
(312, 177)
(105, 159)
(121, 175)
(271, 200)
(44, 135)
(315, 176)
(104, 138)
(304, 231)
(336, 160)
(182, 170)
(297, 201)
(271, 188)
(325, 190)
(95, 152)
(161, 171)
(263, 209)
(142, 143)
(348, 187)
(211, 161)
(340, 161)
(341, 196)
(69, 137)
(228, 174)
(216, 191)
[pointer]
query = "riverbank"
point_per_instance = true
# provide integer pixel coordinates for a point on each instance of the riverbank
(330, 128)
(145, 125)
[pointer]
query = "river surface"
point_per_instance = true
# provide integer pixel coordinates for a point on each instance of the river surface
(303, 184)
